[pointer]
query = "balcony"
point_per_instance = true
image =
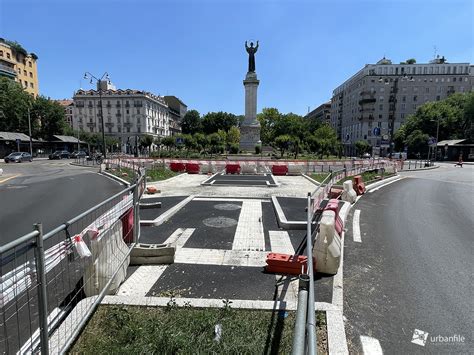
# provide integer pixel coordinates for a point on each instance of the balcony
(118, 115)
(128, 124)
(7, 71)
(118, 105)
(367, 101)
(109, 124)
(90, 124)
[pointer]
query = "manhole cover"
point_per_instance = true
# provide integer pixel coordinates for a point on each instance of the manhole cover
(219, 222)
(227, 206)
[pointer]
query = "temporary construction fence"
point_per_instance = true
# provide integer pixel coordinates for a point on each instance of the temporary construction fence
(304, 334)
(281, 167)
(51, 283)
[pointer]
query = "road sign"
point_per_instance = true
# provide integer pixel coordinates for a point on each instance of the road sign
(179, 140)
(18, 141)
(385, 137)
(376, 131)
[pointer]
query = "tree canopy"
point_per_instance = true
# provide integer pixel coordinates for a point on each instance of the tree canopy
(191, 122)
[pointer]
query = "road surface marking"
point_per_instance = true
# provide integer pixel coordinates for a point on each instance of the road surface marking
(142, 280)
(220, 257)
(388, 183)
(356, 227)
(9, 178)
(370, 346)
(249, 233)
(280, 242)
(180, 237)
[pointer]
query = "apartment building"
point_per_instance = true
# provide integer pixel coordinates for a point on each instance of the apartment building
(68, 106)
(177, 110)
(128, 114)
(373, 103)
(322, 113)
(19, 65)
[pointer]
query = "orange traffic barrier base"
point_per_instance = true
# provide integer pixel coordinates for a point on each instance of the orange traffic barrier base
(152, 190)
(286, 264)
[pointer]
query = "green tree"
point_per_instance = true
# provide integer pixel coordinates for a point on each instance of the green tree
(233, 136)
(417, 142)
(411, 61)
(216, 143)
(190, 143)
(267, 119)
(169, 142)
(14, 103)
(283, 142)
(201, 141)
(191, 122)
(326, 139)
(362, 147)
(214, 121)
(146, 141)
(51, 115)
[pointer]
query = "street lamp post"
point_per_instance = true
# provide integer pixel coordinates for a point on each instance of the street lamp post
(88, 75)
(29, 132)
(437, 136)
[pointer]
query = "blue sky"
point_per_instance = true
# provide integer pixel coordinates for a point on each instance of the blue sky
(195, 49)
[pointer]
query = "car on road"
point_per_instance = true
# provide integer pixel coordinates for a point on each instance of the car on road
(366, 156)
(18, 157)
(59, 154)
(78, 154)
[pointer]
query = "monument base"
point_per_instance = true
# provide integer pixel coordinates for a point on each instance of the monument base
(249, 137)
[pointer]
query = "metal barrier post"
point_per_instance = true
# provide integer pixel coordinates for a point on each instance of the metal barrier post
(311, 319)
(136, 211)
(298, 346)
(42, 295)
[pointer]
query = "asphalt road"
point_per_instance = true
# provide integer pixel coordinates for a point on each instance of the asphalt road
(413, 266)
(50, 192)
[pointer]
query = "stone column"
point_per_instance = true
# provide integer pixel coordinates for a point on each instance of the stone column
(250, 129)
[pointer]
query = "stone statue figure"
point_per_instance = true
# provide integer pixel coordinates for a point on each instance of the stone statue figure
(251, 51)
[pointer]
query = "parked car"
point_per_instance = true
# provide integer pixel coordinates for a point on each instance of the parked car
(78, 154)
(366, 156)
(18, 157)
(59, 154)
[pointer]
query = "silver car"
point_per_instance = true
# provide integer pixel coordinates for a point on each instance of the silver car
(18, 157)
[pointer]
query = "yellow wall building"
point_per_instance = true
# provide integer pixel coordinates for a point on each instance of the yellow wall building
(16, 65)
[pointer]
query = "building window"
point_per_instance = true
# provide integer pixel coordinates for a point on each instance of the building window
(29, 63)
(31, 74)
(32, 85)
(25, 73)
(139, 129)
(454, 80)
(91, 129)
(8, 55)
(438, 98)
(402, 115)
(403, 106)
(415, 89)
(138, 111)
(414, 106)
(119, 129)
(128, 129)
(427, 90)
(415, 98)
(380, 107)
(404, 98)
(110, 129)
(382, 89)
(128, 111)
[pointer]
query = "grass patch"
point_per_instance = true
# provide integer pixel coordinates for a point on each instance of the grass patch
(319, 177)
(186, 330)
(157, 173)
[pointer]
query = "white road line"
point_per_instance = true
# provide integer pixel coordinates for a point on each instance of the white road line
(142, 280)
(249, 233)
(180, 237)
(370, 346)
(280, 242)
(388, 183)
(356, 227)
(220, 257)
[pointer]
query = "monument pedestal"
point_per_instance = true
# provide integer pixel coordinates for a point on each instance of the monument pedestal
(250, 129)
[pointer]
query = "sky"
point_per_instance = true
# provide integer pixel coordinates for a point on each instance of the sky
(195, 49)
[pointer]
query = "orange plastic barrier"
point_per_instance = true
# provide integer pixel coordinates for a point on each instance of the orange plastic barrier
(333, 205)
(192, 168)
(151, 190)
(232, 169)
(359, 185)
(127, 226)
(286, 264)
(177, 167)
(279, 169)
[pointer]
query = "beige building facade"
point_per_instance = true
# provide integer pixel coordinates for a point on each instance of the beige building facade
(18, 65)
